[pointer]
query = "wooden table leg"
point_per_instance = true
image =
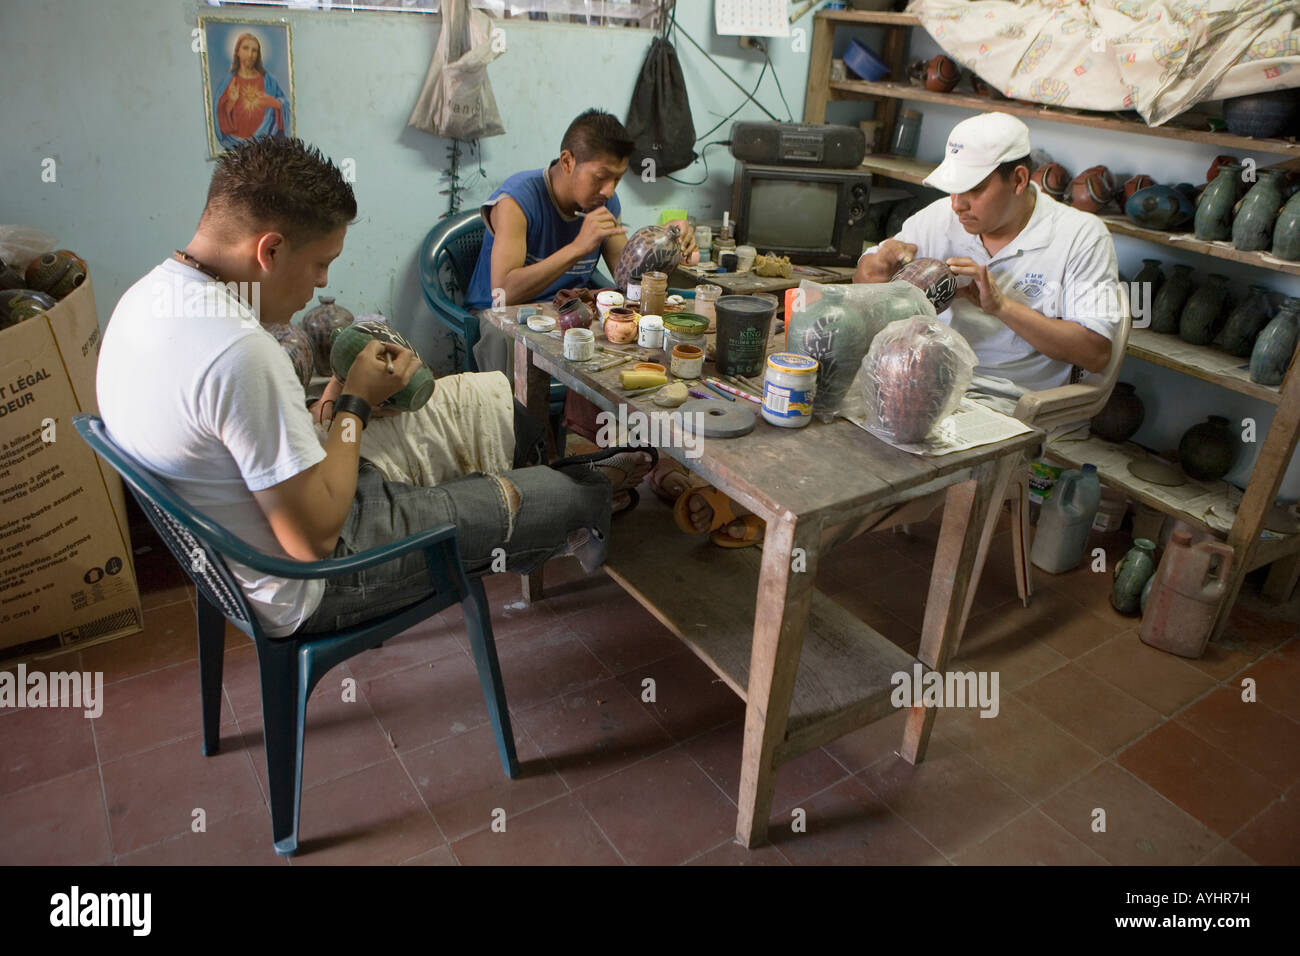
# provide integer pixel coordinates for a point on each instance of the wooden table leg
(968, 506)
(532, 390)
(780, 615)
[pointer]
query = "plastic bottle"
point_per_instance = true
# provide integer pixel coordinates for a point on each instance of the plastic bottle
(1185, 596)
(1066, 519)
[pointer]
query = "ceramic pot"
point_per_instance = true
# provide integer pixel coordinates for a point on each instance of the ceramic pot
(1205, 312)
(1052, 179)
(982, 88)
(1092, 189)
(56, 273)
(320, 324)
(1252, 227)
(297, 344)
(1245, 323)
(19, 304)
(351, 340)
(1261, 115)
(1132, 573)
(1214, 208)
(1209, 450)
(1121, 416)
(1141, 181)
(1150, 275)
(942, 74)
(573, 314)
(1213, 171)
(1159, 207)
(1275, 346)
(10, 278)
(933, 278)
(649, 249)
(1286, 231)
(620, 325)
(1170, 300)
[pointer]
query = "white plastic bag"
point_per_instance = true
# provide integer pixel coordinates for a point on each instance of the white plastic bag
(913, 377)
(456, 101)
(19, 245)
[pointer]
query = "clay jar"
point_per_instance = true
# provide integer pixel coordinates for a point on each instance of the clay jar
(941, 74)
(1286, 232)
(1170, 300)
(1141, 181)
(933, 278)
(1245, 323)
(1252, 227)
(1132, 573)
(1214, 208)
(1209, 450)
(620, 326)
(1212, 173)
(56, 273)
(1205, 312)
(1092, 189)
(574, 314)
(1052, 179)
(320, 324)
(1275, 346)
(1121, 416)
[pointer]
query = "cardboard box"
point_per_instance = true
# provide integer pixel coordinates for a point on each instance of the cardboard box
(66, 574)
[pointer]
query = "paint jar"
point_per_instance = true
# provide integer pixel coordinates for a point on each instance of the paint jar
(907, 133)
(620, 326)
(684, 328)
(654, 291)
(541, 323)
(744, 324)
(650, 332)
(704, 240)
(609, 299)
(706, 295)
(745, 258)
(687, 361)
(579, 345)
(722, 247)
(789, 385)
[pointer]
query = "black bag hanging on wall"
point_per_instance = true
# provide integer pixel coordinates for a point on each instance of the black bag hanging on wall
(659, 118)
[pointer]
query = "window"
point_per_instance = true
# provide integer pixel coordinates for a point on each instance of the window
(620, 13)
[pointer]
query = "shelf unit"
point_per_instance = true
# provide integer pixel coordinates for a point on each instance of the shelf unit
(1253, 547)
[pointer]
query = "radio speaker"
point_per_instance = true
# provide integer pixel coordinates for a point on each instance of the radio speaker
(798, 144)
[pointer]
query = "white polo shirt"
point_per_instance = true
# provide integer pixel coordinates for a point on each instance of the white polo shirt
(1062, 265)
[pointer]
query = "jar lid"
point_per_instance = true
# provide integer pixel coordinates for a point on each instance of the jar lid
(686, 322)
(791, 363)
(651, 322)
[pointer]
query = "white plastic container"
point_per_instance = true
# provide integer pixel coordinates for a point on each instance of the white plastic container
(1111, 511)
(579, 344)
(1066, 520)
(789, 384)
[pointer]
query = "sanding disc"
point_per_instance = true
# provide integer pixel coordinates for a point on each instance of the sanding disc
(718, 419)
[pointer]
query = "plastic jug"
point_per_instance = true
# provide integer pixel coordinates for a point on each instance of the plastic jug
(1186, 595)
(1066, 519)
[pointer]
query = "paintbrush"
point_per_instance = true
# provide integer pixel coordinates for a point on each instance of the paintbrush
(732, 390)
(643, 391)
(715, 388)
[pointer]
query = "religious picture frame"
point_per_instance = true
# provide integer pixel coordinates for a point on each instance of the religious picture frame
(247, 80)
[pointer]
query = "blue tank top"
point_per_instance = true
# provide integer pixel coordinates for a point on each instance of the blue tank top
(548, 232)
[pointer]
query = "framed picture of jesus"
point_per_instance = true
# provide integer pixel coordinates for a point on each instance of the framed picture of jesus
(247, 80)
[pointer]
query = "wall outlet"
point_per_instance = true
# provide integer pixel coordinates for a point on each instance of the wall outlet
(751, 43)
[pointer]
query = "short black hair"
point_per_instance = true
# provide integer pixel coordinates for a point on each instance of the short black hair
(596, 133)
(280, 184)
(1007, 170)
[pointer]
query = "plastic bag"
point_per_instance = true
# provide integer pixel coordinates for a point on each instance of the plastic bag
(19, 245)
(836, 326)
(456, 101)
(913, 377)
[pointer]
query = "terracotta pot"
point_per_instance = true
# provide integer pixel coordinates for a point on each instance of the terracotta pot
(620, 326)
(1122, 415)
(933, 278)
(1092, 189)
(1053, 179)
(1141, 181)
(942, 74)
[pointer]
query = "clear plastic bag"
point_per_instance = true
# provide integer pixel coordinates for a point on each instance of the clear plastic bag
(913, 377)
(19, 245)
(836, 326)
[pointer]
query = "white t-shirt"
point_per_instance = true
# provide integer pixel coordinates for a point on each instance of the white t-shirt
(1062, 264)
(190, 384)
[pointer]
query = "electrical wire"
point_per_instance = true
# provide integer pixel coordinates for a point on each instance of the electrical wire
(776, 76)
(682, 182)
(704, 53)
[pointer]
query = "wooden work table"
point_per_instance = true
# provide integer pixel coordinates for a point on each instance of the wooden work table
(808, 670)
(747, 283)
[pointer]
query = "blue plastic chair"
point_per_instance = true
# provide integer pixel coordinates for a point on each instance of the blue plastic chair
(291, 666)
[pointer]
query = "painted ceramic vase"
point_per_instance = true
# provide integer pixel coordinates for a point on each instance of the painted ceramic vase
(1212, 173)
(1205, 311)
(19, 304)
(348, 344)
(320, 324)
(1286, 231)
(297, 345)
(1141, 181)
(1214, 209)
(1160, 207)
(933, 278)
(649, 249)
(1170, 300)
(1209, 450)
(56, 273)
(1132, 573)
(1275, 346)
(941, 74)
(1121, 416)
(1252, 227)
(1092, 189)
(1052, 179)
(1245, 323)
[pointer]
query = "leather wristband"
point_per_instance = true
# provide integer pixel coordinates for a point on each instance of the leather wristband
(354, 405)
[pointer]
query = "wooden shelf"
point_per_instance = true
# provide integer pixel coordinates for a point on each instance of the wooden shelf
(1199, 361)
(1121, 226)
(871, 18)
(844, 668)
(901, 168)
(905, 91)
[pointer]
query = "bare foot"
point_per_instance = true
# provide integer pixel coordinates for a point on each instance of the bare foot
(702, 518)
(625, 470)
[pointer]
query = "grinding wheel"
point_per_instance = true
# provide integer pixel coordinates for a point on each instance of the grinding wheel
(719, 419)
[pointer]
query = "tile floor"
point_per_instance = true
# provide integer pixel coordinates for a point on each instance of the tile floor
(1091, 719)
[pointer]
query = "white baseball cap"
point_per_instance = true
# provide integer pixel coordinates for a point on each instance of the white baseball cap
(976, 147)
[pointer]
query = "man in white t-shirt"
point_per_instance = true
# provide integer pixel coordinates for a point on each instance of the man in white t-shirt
(1043, 296)
(192, 384)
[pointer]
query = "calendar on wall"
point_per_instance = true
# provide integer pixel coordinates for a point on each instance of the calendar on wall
(751, 18)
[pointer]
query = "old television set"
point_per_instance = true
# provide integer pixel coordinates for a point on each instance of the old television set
(814, 216)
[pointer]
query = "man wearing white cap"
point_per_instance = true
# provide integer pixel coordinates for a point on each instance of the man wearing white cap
(1043, 292)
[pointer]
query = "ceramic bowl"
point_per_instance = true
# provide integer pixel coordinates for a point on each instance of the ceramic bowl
(1159, 207)
(864, 63)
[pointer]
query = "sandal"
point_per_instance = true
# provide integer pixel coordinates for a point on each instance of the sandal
(754, 528)
(632, 500)
(723, 514)
(605, 454)
(670, 479)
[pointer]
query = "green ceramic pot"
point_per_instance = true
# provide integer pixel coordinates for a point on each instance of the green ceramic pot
(1214, 210)
(1286, 231)
(1205, 311)
(1131, 575)
(1275, 346)
(1146, 285)
(1252, 227)
(1245, 323)
(1171, 298)
(1209, 450)
(348, 343)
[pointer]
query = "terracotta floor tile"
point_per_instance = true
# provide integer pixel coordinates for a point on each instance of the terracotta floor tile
(240, 840)
(429, 640)
(428, 702)
(1093, 710)
(462, 782)
(513, 622)
(1223, 659)
(168, 638)
(660, 812)
(442, 856)
(559, 833)
(1009, 640)
(1258, 737)
(862, 560)
(1277, 683)
(1159, 680)
(951, 801)
(719, 753)
(37, 745)
(732, 853)
(1219, 791)
(623, 636)
(374, 816)
(1226, 855)
(1031, 839)
(1259, 630)
(152, 709)
(1273, 837)
(545, 667)
(152, 795)
(1020, 747)
(917, 543)
(1090, 588)
(567, 597)
(1068, 626)
(593, 733)
(848, 825)
(1142, 827)
(57, 823)
(861, 748)
(689, 697)
(901, 593)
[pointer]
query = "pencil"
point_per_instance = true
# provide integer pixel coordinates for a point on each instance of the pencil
(732, 390)
(718, 390)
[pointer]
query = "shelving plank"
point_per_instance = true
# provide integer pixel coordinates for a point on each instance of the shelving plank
(901, 168)
(871, 18)
(1121, 226)
(1199, 361)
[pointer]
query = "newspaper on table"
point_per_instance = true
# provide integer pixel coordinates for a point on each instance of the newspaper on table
(970, 426)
